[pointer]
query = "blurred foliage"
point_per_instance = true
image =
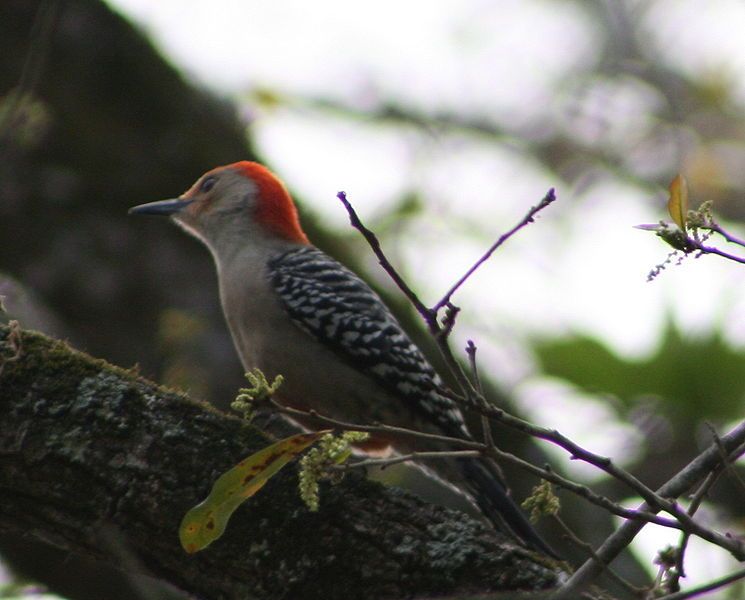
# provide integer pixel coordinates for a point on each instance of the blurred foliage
(93, 122)
(27, 117)
(690, 377)
(180, 335)
(627, 112)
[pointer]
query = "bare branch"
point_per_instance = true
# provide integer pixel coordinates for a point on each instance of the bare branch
(476, 401)
(708, 587)
(712, 250)
(673, 584)
(715, 227)
(587, 548)
(374, 428)
(479, 448)
(429, 315)
(585, 492)
(527, 219)
(485, 423)
(412, 457)
(576, 451)
(696, 501)
(677, 485)
(372, 240)
(726, 462)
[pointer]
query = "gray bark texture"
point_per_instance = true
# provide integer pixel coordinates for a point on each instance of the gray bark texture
(100, 462)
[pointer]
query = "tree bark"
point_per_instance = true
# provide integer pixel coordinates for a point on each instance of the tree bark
(98, 461)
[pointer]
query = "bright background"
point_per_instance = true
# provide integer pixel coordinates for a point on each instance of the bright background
(312, 78)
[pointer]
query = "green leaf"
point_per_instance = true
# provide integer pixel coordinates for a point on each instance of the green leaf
(206, 522)
(677, 205)
(692, 378)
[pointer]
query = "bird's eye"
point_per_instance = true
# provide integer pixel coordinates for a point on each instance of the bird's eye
(207, 184)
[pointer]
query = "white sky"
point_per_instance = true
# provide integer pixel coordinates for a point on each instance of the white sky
(471, 57)
(581, 267)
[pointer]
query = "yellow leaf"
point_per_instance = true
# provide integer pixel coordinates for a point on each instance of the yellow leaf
(206, 522)
(677, 205)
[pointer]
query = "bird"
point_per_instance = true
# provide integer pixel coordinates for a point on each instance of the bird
(295, 311)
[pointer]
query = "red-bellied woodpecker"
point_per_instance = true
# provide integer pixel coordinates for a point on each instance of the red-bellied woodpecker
(293, 310)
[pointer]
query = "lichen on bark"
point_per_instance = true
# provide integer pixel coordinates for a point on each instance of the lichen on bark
(87, 447)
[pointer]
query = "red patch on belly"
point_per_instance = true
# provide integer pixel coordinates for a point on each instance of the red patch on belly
(375, 446)
(378, 446)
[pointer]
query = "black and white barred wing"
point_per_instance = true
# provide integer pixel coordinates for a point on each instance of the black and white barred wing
(340, 310)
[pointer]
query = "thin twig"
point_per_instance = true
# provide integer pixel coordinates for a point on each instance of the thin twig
(696, 500)
(470, 445)
(384, 430)
(587, 548)
(585, 492)
(470, 396)
(477, 402)
(413, 457)
(725, 234)
(429, 315)
(485, 422)
(673, 583)
(726, 463)
(654, 500)
(448, 321)
(491, 447)
(372, 240)
(475, 399)
(707, 587)
(712, 250)
(624, 535)
(528, 218)
(576, 451)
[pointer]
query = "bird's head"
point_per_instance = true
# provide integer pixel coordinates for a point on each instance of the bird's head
(242, 198)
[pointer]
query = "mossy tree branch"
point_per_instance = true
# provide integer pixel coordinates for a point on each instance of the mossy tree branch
(87, 449)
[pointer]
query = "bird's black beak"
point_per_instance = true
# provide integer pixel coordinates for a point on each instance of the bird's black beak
(161, 207)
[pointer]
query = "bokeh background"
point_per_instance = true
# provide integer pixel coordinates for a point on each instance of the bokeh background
(444, 122)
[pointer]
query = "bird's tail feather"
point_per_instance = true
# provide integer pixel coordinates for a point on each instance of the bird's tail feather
(492, 499)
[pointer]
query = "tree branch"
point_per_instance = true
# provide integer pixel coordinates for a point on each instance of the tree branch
(473, 400)
(87, 449)
(707, 587)
(527, 219)
(476, 448)
(684, 480)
